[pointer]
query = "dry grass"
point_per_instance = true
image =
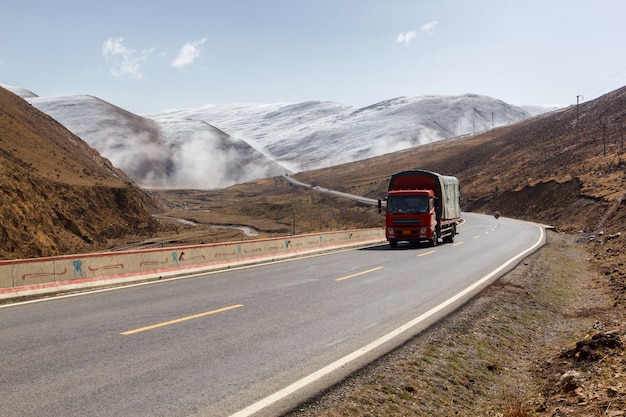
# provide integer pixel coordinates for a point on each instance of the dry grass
(515, 408)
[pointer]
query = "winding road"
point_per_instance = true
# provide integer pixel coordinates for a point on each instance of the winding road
(244, 341)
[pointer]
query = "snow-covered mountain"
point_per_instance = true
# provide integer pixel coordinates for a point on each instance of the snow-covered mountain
(219, 145)
(315, 134)
(172, 153)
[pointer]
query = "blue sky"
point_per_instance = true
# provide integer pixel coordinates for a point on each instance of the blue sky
(149, 56)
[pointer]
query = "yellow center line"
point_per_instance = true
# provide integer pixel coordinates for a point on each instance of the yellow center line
(426, 253)
(359, 273)
(457, 243)
(167, 323)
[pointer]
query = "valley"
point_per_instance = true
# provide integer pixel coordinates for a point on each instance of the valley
(566, 169)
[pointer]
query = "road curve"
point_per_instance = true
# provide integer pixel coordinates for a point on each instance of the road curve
(254, 340)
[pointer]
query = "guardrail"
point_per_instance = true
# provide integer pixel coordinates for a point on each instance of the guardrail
(28, 277)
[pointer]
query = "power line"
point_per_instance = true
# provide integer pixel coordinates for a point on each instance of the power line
(608, 84)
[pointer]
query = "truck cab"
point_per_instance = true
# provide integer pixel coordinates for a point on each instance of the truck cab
(411, 216)
(421, 206)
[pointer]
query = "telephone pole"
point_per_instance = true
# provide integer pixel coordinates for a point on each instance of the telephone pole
(577, 115)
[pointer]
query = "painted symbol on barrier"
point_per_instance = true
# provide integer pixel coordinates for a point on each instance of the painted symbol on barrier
(182, 258)
(175, 257)
(78, 268)
(224, 255)
(44, 274)
(238, 250)
(148, 263)
(287, 242)
(106, 267)
(252, 251)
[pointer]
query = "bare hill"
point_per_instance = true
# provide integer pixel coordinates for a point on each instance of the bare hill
(57, 194)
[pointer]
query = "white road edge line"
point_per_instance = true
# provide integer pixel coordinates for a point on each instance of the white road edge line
(279, 395)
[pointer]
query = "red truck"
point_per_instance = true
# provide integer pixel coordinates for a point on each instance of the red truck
(421, 206)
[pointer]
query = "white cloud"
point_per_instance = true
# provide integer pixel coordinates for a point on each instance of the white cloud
(188, 54)
(126, 62)
(429, 27)
(406, 37)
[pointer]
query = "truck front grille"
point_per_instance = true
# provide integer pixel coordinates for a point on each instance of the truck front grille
(407, 222)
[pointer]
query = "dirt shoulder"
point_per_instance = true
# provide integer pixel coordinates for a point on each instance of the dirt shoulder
(543, 340)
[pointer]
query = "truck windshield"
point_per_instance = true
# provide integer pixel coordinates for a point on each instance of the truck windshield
(407, 204)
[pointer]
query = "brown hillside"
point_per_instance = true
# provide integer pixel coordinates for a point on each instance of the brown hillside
(57, 194)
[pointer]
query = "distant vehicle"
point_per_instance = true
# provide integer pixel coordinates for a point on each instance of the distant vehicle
(422, 206)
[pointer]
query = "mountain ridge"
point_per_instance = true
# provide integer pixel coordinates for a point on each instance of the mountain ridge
(217, 146)
(316, 134)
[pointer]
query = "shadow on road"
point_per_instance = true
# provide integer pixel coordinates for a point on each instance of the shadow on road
(401, 246)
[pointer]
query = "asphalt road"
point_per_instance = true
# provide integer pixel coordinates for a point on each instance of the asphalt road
(232, 342)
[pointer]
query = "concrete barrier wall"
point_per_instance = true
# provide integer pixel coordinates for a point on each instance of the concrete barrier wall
(44, 275)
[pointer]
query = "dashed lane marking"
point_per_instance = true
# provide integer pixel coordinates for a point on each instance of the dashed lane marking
(359, 273)
(167, 323)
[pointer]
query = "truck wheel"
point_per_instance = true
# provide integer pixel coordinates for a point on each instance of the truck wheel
(434, 240)
(450, 238)
(393, 243)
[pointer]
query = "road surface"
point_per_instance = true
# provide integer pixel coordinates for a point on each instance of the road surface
(234, 342)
